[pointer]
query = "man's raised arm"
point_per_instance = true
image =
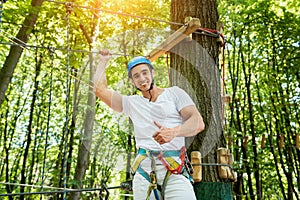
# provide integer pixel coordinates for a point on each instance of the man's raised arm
(112, 98)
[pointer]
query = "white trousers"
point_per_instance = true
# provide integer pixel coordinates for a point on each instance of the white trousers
(178, 187)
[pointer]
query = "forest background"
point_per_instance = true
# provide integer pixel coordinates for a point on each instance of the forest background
(48, 107)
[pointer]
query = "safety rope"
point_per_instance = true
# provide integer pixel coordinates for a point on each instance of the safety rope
(60, 191)
(223, 84)
(124, 186)
(13, 43)
(26, 46)
(14, 40)
(217, 34)
(119, 13)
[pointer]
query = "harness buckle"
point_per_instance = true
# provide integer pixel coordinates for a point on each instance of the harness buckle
(153, 181)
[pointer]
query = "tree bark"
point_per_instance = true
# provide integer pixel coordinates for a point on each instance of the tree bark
(194, 67)
(86, 142)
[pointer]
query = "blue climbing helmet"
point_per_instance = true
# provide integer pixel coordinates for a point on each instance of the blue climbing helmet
(136, 61)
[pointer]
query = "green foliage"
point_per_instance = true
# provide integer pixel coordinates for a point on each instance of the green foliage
(263, 49)
(262, 53)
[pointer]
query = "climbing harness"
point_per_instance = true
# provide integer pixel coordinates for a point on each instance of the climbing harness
(171, 164)
(170, 160)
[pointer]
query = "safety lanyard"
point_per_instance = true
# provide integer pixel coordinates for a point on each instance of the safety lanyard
(171, 164)
(153, 180)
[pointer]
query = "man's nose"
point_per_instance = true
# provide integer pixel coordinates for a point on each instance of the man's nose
(142, 78)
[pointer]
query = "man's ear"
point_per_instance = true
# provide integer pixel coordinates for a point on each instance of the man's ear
(131, 81)
(153, 73)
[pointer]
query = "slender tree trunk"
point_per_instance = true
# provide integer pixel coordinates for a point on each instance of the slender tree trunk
(83, 158)
(29, 128)
(72, 128)
(235, 118)
(7, 71)
(8, 138)
(274, 150)
(9, 188)
(247, 76)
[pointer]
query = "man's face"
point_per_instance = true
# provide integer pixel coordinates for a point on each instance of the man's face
(141, 77)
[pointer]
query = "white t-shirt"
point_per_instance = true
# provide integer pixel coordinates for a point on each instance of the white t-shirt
(165, 111)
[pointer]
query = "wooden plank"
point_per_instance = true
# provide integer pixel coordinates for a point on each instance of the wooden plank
(175, 38)
(196, 161)
(226, 99)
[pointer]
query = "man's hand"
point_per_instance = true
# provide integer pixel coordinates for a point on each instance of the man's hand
(164, 135)
(104, 56)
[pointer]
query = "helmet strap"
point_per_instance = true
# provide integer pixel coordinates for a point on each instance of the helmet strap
(151, 87)
(149, 90)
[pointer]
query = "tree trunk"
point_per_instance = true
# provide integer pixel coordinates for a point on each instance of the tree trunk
(8, 140)
(247, 77)
(83, 158)
(15, 52)
(235, 118)
(29, 128)
(86, 142)
(194, 67)
(72, 129)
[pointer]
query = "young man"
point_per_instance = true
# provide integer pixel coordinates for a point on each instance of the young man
(162, 117)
